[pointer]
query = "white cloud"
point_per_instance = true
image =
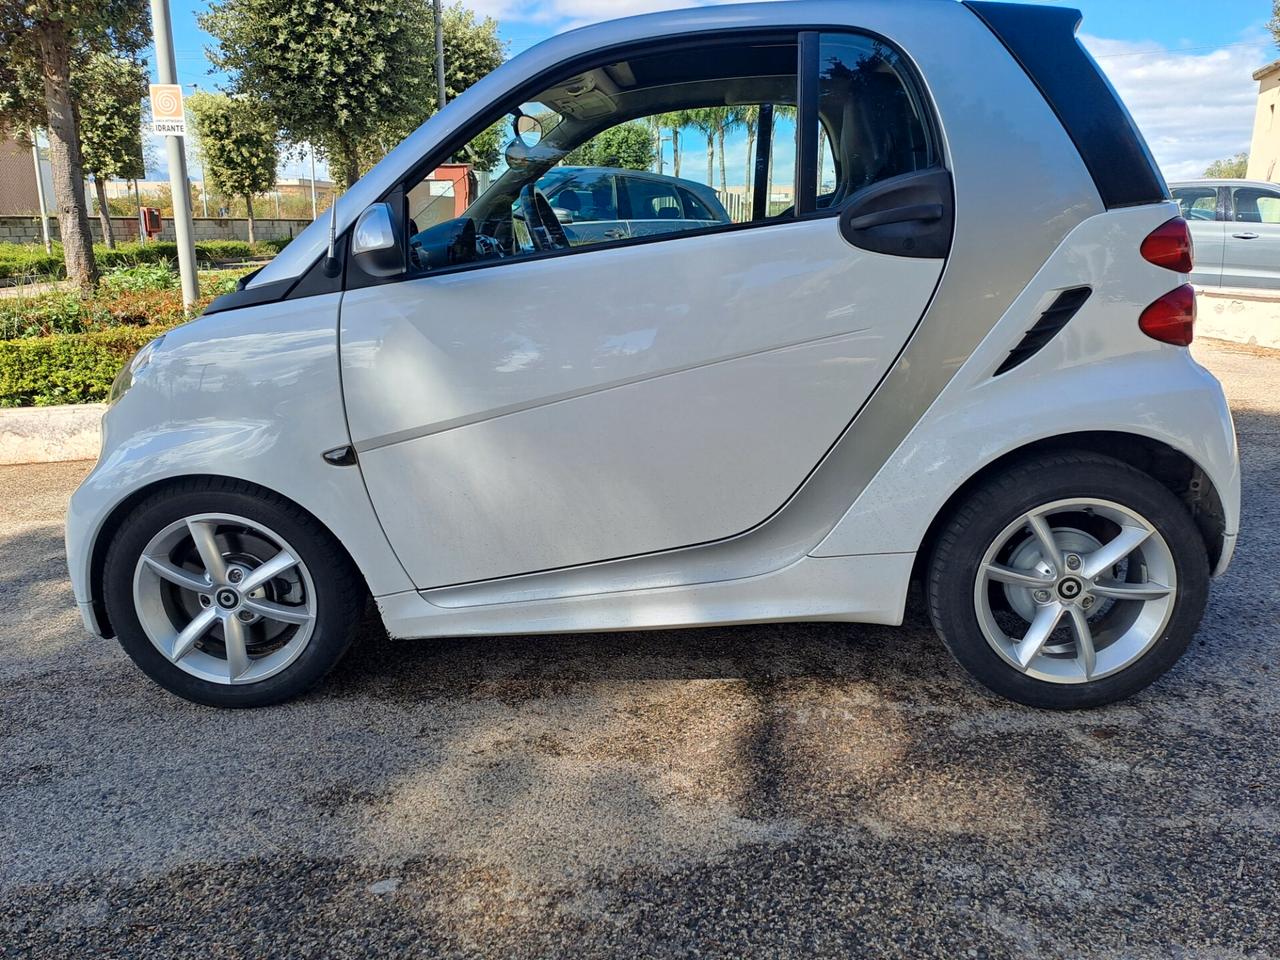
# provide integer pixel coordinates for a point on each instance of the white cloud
(1193, 108)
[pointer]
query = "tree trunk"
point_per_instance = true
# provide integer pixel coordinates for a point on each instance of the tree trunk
(64, 155)
(104, 215)
(675, 149)
(248, 206)
(348, 162)
(711, 159)
(751, 164)
(724, 176)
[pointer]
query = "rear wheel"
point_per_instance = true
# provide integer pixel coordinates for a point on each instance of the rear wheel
(1072, 580)
(228, 595)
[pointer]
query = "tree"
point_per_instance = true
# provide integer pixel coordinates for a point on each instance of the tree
(677, 120)
(628, 145)
(44, 39)
(330, 72)
(237, 146)
(109, 90)
(352, 76)
(1234, 168)
(707, 121)
(472, 50)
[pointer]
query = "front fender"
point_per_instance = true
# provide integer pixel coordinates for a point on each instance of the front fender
(251, 394)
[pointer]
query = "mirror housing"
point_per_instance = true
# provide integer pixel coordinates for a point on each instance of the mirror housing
(564, 216)
(376, 245)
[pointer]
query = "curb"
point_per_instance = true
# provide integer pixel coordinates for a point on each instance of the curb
(51, 434)
(1242, 316)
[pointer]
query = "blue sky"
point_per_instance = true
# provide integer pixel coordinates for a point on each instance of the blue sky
(1183, 66)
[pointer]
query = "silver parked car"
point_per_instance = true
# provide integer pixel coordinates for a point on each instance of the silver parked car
(607, 203)
(1236, 228)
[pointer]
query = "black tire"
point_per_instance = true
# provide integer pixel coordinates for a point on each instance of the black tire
(339, 588)
(979, 520)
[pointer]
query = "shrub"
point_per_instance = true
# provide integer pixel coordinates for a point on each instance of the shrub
(142, 276)
(67, 368)
(42, 315)
(30, 261)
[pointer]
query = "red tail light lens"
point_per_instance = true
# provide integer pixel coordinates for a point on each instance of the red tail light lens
(1172, 318)
(1170, 246)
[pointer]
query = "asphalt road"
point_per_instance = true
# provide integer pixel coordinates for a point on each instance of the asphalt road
(764, 791)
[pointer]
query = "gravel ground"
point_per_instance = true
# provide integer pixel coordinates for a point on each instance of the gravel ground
(768, 791)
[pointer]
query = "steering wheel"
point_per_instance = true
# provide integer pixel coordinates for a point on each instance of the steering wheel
(545, 229)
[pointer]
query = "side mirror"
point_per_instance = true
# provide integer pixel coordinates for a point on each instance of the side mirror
(564, 216)
(376, 245)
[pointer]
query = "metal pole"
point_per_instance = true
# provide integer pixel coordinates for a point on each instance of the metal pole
(180, 189)
(314, 208)
(137, 198)
(44, 211)
(439, 23)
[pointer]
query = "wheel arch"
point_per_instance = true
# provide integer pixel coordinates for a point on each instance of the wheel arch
(103, 537)
(1175, 470)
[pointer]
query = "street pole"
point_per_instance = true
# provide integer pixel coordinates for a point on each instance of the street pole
(44, 211)
(314, 209)
(180, 189)
(137, 199)
(441, 96)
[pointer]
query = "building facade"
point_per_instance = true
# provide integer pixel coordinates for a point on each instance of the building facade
(1264, 154)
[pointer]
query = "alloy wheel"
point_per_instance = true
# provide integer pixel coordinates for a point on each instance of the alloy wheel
(224, 598)
(1075, 590)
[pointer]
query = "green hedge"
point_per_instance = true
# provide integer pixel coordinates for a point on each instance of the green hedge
(68, 368)
(29, 260)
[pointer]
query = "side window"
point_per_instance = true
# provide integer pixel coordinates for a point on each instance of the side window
(1256, 205)
(671, 140)
(695, 209)
(870, 115)
(658, 144)
(1197, 203)
(652, 200)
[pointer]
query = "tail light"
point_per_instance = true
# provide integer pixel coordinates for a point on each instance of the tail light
(1172, 318)
(1170, 246)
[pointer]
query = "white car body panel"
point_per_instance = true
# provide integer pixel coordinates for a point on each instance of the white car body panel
(627, 400)
(195, 411)
(1100, 373)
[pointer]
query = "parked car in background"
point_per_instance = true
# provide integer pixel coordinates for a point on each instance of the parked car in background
(608, 203)
(1236, 227)
(956, 365)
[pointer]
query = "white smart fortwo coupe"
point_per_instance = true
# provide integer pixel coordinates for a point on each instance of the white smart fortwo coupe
(944, 337)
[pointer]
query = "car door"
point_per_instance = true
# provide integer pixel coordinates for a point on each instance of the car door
(539, 410)
(1251, 256)
(1204, 209)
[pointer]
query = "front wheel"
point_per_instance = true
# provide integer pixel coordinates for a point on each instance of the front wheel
(228, 595)
(1069, 581)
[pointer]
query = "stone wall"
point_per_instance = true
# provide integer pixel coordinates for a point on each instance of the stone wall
(27, 229)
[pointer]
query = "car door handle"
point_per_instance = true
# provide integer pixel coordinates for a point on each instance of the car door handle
(1245, 236)
(916, 213)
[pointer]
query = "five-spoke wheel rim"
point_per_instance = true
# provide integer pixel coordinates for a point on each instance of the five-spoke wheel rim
(224, 598)
(1075, 590)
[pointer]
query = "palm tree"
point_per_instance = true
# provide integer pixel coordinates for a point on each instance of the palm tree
(749, 118)
(676, 120)
(708, 121)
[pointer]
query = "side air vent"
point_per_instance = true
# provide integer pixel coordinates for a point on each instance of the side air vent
(1051, 321)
